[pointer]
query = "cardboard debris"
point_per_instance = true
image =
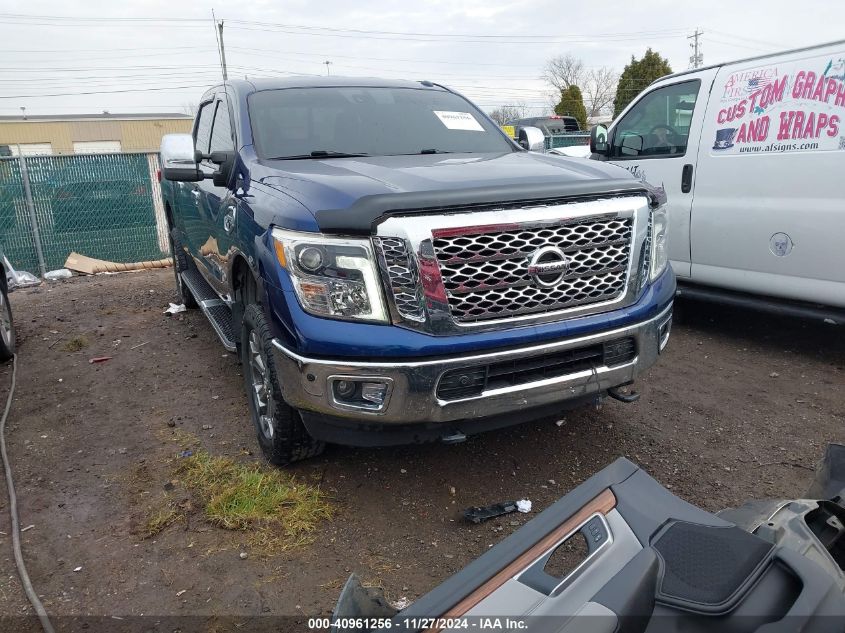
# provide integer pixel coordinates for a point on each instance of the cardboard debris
(91, 266)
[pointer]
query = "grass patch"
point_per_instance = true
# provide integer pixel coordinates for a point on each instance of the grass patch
(160, 520)
(75, 344)
(278, 512)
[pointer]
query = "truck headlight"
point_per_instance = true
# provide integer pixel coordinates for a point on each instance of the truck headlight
(333, 277)
(659, 254)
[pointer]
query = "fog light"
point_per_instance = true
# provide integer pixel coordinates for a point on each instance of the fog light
(374, 392)
(345, 389)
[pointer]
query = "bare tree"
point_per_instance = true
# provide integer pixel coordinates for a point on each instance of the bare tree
(564, 71)
(505, 113)
(599, 90)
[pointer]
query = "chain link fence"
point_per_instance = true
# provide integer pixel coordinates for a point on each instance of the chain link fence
(105, 206)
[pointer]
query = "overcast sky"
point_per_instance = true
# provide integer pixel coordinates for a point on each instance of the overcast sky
(491, 50)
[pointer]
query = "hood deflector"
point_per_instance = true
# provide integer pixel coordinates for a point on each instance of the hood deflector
(367, 212)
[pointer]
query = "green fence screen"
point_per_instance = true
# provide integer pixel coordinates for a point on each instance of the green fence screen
(106, 206)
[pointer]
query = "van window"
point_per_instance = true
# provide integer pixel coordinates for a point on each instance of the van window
(658, 124)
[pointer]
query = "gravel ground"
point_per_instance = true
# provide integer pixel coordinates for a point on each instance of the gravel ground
(740, 406)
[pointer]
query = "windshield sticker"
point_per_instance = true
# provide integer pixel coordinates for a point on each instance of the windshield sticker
(458, 120)
(783, 108)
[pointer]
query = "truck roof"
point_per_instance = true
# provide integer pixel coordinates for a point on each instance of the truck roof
(748, 59)
(247, 86)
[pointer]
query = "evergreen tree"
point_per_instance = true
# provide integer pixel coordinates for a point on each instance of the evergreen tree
(637, 76)
(572, 104)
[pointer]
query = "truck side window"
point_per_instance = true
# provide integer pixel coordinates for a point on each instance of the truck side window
(221, 132)
(658, 125)
(203, 131)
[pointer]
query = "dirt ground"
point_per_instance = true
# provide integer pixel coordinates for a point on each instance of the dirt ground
(740, 406)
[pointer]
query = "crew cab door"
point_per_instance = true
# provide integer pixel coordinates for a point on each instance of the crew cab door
(218, 207)
(768, 216)
(187, 194)
(657, 138)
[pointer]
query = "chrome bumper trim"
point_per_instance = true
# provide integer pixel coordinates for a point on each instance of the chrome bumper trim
(305, 381)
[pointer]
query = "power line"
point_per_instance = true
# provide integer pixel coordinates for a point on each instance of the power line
(81, 21)
(101, 92)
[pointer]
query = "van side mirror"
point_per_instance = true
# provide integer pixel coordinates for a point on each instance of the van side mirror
(178, 160)
(598, 140)
(532, 139)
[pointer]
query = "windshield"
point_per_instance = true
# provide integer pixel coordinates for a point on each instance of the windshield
(334, 121)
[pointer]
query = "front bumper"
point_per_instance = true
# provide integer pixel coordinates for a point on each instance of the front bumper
(412, 394)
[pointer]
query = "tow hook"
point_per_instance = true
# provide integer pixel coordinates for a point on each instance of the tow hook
(614, 393)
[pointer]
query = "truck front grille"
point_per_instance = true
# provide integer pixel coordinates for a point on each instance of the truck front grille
(402, 277)
(485, 272)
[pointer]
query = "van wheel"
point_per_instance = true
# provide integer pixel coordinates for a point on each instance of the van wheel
(180, 265)
(281, 433)
(7, 327)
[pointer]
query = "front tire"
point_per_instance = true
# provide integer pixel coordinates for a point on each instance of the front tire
(7, 327)
(281, 433)
(180, 265)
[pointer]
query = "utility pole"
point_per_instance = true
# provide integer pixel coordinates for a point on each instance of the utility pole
(222, 50)
(327, 63)
(697, 57)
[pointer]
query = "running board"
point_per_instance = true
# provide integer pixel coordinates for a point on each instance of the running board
(214, 308)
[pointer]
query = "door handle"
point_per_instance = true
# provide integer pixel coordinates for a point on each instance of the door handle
(686, 179)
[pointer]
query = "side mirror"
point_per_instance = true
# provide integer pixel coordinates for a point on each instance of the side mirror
(178, 162)
(598, 140)
(225, 160)
(532, 139)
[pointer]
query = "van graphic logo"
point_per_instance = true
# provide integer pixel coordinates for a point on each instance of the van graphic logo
(548, 266)
(724, 138)
(780, 244)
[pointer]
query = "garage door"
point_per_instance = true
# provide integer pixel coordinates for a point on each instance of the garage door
(96, 147)
(32, 149)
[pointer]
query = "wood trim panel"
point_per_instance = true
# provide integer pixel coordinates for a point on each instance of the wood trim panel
(602, 503)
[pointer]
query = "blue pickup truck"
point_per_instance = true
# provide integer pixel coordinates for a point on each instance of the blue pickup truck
(392, 268)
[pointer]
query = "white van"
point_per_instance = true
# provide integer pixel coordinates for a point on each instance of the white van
(751, 155)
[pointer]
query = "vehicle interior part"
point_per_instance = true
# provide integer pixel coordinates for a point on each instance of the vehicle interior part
(358, 601)
(655, 563)
(829, 481)
(478, 514)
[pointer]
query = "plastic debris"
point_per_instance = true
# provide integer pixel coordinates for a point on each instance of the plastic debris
(523, 505)
(99, 359)
(60, 273)
(477, 514)
(175, 308)
(77, 568)
(19, 278)
(244, 555)
(186, 453)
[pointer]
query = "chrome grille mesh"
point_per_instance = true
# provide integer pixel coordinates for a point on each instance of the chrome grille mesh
(486, 274)
(402, 277)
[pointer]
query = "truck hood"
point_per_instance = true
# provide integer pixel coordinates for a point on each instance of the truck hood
(352, 194)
